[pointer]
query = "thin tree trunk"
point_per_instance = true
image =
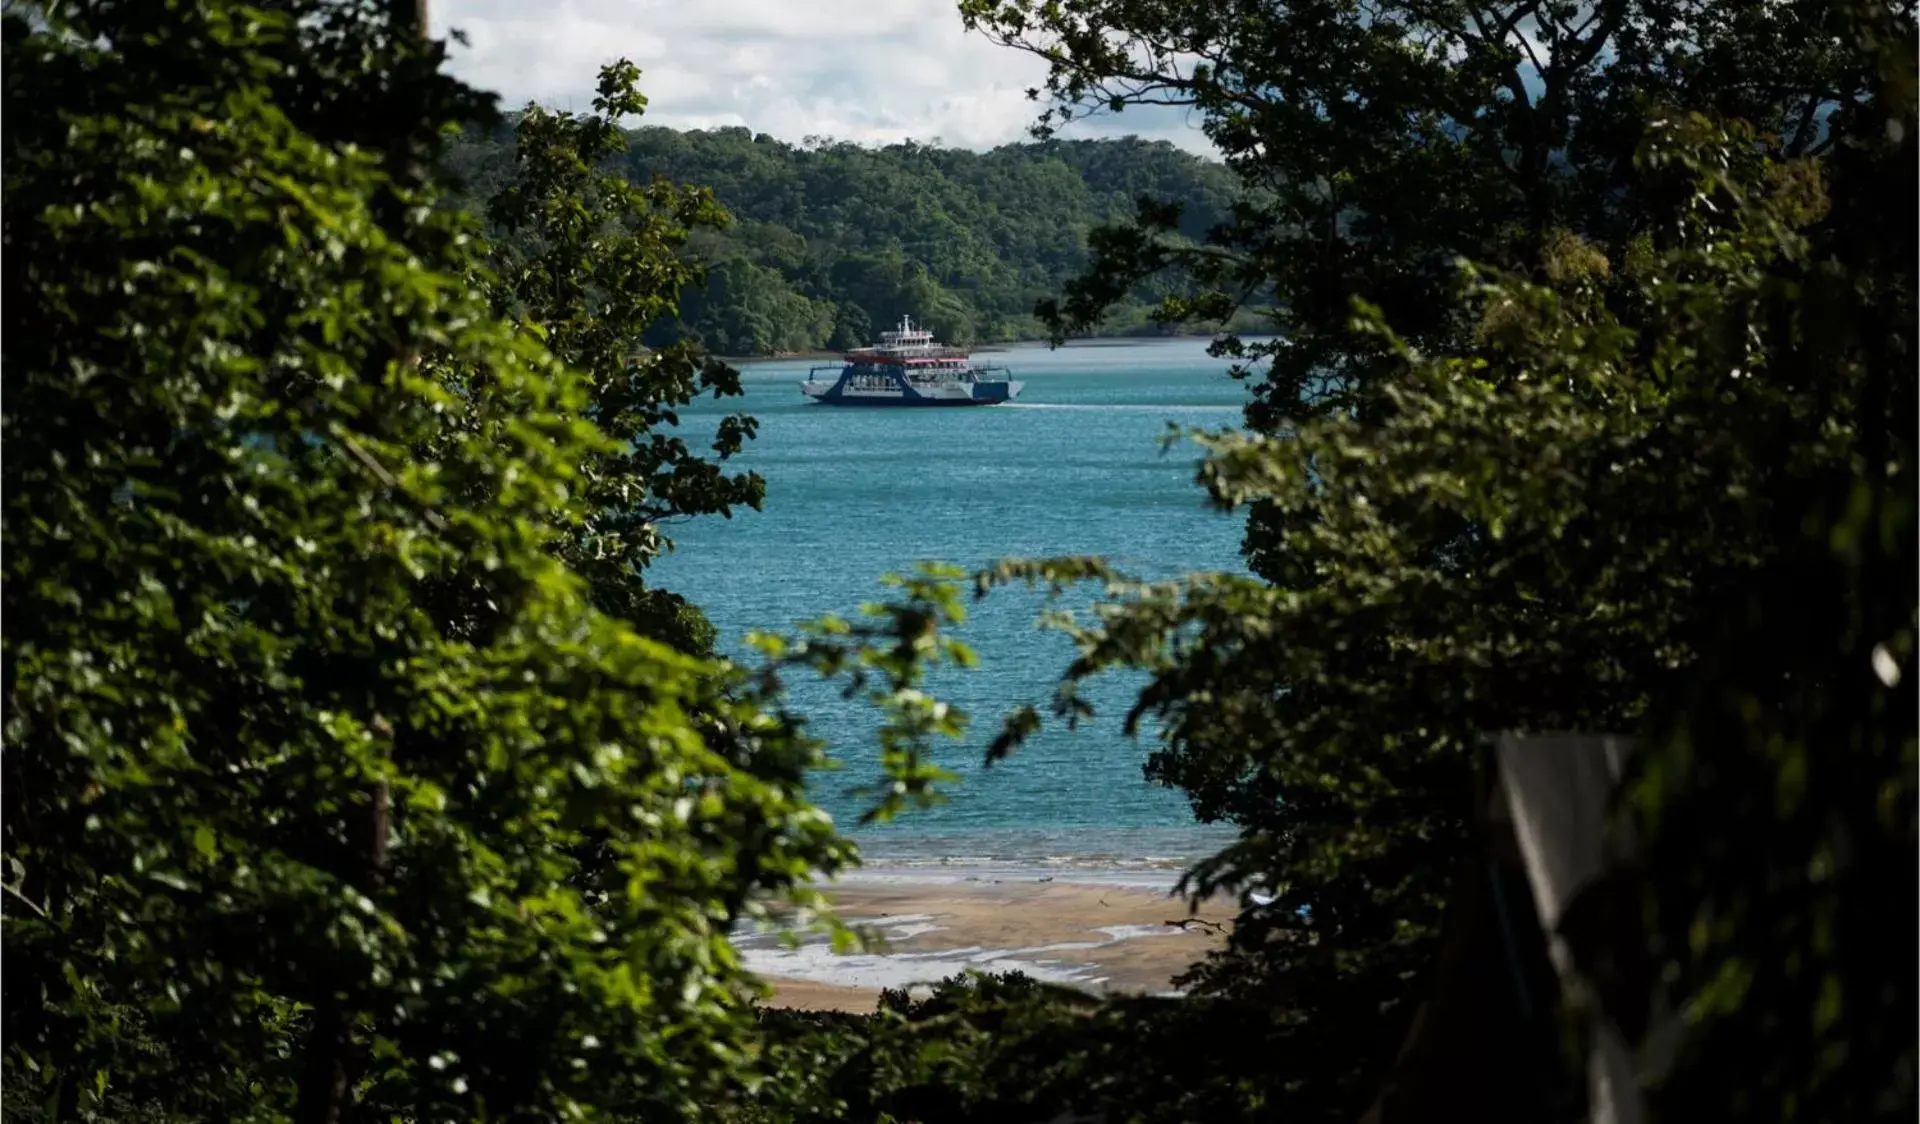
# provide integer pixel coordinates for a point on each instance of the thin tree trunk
(326, 1088)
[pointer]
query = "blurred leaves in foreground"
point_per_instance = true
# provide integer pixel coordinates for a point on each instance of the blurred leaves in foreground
(329, 791)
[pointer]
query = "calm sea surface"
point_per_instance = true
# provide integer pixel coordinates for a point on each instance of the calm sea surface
(1073, 467)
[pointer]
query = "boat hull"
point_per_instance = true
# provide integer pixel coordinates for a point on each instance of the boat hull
(877, 403)
(906, 404)
(983, 394)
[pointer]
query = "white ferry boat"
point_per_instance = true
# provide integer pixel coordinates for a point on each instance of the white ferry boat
(907, 368)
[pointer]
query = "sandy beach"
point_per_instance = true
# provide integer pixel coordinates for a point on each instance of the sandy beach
(1118, 935)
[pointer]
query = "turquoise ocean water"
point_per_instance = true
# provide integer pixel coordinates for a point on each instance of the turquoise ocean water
(1073, 467)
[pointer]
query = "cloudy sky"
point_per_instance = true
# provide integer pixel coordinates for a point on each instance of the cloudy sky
(860, 70)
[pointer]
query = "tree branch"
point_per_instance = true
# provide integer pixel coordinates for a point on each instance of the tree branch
(26, 901)
(1184, 922)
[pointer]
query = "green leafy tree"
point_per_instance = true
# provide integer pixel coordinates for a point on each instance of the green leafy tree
(591, 262)
(991, 232)
(1595, 518)
(851, 327)
(747, 309)
(306, 726)
(1778, 803)
(1381, 143)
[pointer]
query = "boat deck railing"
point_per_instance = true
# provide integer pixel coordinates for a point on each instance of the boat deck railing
(915, 376)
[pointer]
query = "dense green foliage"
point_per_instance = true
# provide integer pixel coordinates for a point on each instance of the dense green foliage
(590, 262)
(834, 240)
(1650, 470)
(329, 792)
(347, 774)
(1006, 1048)
(1764, 390)
(1386, 142)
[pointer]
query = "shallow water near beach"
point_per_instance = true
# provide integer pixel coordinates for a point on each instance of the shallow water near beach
(1088, 936)
(1075, 466)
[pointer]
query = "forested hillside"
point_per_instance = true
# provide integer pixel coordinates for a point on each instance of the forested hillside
(833, 241)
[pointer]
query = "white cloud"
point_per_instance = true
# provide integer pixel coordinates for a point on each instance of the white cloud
(872, 71)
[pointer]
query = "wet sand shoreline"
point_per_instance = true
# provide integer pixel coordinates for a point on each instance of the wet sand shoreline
(1103, 932)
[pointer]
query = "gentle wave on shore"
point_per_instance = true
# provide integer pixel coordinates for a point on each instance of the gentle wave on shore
(1138, 856)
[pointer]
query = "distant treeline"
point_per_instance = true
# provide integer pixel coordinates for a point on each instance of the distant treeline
(833, 241)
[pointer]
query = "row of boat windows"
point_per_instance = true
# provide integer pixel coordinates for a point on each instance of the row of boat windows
(924, 368)
(889, 382)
